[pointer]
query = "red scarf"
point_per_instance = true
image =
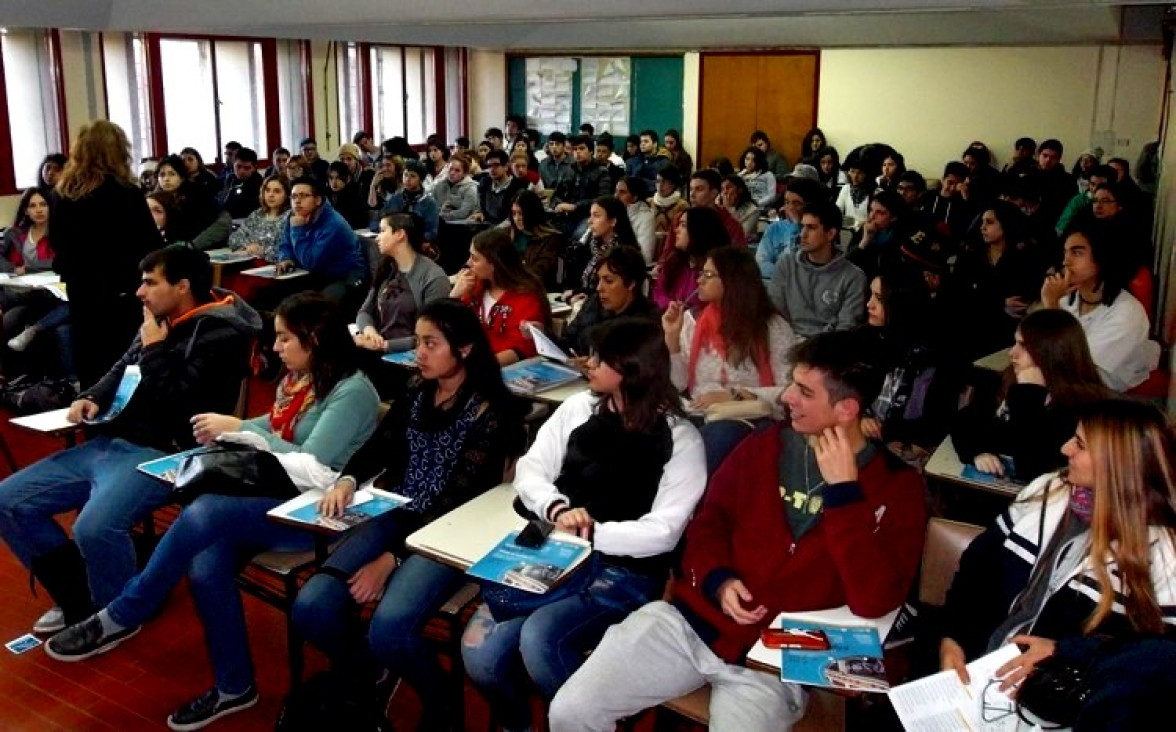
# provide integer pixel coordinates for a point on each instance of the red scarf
(295, 396)
(706, 332)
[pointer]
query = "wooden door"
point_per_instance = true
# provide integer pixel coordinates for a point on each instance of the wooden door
(744, 92)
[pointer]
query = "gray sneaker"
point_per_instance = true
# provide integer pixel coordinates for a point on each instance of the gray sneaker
(51, 622)
(24, 339)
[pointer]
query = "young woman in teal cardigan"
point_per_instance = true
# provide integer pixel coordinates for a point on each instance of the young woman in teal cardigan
(326, 408)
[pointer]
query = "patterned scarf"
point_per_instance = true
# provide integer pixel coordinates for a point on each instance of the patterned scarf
(432, 455)
(1082, 503)
(295, 396)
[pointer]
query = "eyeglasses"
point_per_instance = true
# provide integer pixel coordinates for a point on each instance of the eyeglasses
(302, 196)
(1105, 200)
(707, 274)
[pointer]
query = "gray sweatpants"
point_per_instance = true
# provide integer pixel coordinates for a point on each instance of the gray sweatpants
(655, 656)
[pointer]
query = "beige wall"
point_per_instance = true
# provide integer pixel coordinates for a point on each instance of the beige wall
(487, 84)
(326, 100)
(930, 103)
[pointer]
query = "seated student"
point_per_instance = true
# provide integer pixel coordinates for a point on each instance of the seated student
(229, 156)
(1091, 288)
(325, 409)
(258, 234)
(31, 313)
(912, 187)
(706, 186)
(1056, 185)
(667, 201)
(853, 200)
(808, 516)
(620, 285)
(413, 198)
(436, 165)
(699, 230)
(676, 154)
(828, 164)
(737, 349)
(405, 283)
(358, 171)
(946, 208)
(1084, 201)
(817, 289)
(632, 147)
(503, 293)
(875, 246)
(242, 190)
(588, 181)
(448, 445)
(1088, 161)
(524, 167)
(387, 180)
(497, 190)
(737, 201)
(1084, 552)
(920, 388)
(192, 351)
(316, 166)
(782, 237)
(556, 169)
(297, 167)
(1050, 376)
(198, 174)
(983, 184)
(539, 243)
(632, 192)
(1021, 164)
(278, 159)
(761, 183)
(457, 194)
(649, 160)
(199, 220)
(1129, 215)
(777, 165)
(997, 278)
(318, 240)
(344, 196)
(893, 166)
(617, 465)
(608, 226)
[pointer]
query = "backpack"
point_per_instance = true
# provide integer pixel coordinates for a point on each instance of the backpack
(330, 700)
(26, 395)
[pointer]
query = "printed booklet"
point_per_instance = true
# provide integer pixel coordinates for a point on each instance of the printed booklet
(534, 570)
(368, 503)
(402, 358)
(165, 468)
(536, 375)
(122, 396)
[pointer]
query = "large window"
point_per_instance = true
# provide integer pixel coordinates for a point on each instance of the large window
(128, 90)
(31, 81)
(293, 96)
(352, 113)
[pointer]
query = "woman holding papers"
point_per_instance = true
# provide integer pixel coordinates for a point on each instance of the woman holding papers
(504, 295)
(737, 350)
(325, 409)
(448, 444)
(617, 465)
(1088, 550)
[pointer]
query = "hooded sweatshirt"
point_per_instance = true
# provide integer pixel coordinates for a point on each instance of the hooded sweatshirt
(457, 200)
(325, 245)
(197, 368)
(819, 298)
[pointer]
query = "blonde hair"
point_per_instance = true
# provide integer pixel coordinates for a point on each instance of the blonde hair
(1131, 445)
(100, 152)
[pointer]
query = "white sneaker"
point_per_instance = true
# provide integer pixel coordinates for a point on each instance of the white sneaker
(22, 341)
(51, 622)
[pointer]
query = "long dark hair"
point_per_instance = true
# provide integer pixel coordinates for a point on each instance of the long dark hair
(321, 328)
(761, 160)
(201, 168)
(806, 146)
(1112, 260)
(704, 232)
(623, 229)
(827, 178)
(746, 307)
(906, 302)
(744, 194)
(636, 349)
(483, 376)
(534, 216)
(22, 220)
(1057, 344)
(509, 271)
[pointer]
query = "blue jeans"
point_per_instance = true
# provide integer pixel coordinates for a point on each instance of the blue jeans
(549, 644)
(100, 478)
(210, 542)
(414, 592)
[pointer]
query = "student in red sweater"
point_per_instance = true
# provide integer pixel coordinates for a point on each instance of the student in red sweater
(504, 294)
(807, 516)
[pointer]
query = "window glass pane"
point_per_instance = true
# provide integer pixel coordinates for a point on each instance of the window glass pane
(241, 93)
(350, 105)
(388, 92)
(421, 94)
(291, 94)
(31, 101)
(127, 90)
(454, 95)
(188, 96)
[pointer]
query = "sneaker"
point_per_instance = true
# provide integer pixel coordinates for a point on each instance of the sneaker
(51, 622)
(206, 709)
(79, 642)
(22, 341)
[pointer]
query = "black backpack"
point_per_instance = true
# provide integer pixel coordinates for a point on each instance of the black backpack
(329, 700)
(26, 395)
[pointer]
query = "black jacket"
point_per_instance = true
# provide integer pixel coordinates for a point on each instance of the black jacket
(241, 197)
(1028, 429)
(589, 182)
(197, 368)
(495, 206)
(576, 333)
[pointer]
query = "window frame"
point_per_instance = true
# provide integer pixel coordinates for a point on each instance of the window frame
(52, 39)
(440, 90)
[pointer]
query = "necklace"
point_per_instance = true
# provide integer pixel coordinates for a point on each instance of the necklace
(1090, 302)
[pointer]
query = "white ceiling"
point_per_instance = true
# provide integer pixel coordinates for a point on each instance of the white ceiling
(599, 24)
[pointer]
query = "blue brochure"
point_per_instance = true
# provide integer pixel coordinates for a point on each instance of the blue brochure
(367, 503)
(534, 570)
(165, 468)
(535, 375)
(853, 660)
(131, 378)
(402, 358)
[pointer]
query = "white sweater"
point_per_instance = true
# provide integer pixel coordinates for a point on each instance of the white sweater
(712, 373)
(1118, 340)
(658, 531)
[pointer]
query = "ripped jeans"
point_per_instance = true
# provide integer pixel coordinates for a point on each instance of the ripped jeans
(550, 643)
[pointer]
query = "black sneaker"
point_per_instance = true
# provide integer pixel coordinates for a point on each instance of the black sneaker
(204, 710)
(79, 642)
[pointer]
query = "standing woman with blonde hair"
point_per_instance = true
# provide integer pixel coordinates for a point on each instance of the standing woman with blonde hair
(101, 229)
(1086, 551)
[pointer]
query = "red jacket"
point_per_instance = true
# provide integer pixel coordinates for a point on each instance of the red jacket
(15, 253)
(505, 318)
(863, 553)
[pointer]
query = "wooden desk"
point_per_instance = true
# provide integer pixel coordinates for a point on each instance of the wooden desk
(945, 465)
(997, 362)
(468, 532)
(225, 258)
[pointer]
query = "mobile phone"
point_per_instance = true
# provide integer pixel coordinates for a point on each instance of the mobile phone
(795, 639)
(534, 534)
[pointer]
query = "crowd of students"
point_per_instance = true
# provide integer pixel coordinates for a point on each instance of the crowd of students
(751, 437)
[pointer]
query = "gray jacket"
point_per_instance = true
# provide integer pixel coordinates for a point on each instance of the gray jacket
(457, 201)
(819, 298)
